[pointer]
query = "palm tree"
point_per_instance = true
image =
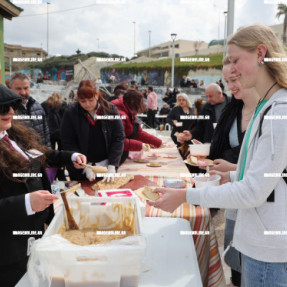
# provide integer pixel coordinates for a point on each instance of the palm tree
(282, 10)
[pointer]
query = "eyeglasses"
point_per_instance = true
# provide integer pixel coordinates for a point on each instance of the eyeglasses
(4, 109)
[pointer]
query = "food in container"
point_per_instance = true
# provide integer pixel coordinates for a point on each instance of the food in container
(135, 155)
(113, 263)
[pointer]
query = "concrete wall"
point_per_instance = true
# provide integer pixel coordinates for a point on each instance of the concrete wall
(162, 77)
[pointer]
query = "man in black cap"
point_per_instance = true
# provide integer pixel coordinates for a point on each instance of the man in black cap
(30, 112)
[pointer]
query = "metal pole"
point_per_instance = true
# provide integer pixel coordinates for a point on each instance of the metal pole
(2, 57)
(172, 69)
(218, 28)
(230, 17)
(10, 63)
(98, 44)
(173, 36)
(225, 32)
(149, 44)
(134, 38)
(48, 3)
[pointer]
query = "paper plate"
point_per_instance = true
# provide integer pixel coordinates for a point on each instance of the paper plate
(208, 161)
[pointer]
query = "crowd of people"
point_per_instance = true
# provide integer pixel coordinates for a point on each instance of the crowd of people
(186, 82)
(101, 130)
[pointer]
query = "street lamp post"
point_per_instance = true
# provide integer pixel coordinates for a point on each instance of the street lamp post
(134, 38)
(173, 36)
(48, 3)
(225, 32)
(149, 32)
(230, 17)
(98, 40)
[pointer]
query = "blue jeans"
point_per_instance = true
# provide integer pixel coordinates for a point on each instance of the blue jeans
(232, 257)
(262, 274)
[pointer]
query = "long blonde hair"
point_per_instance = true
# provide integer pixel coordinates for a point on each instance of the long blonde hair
(183, 95)
(248, 38)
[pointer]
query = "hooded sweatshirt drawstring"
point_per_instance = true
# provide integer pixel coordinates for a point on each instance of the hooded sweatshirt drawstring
(272, 138)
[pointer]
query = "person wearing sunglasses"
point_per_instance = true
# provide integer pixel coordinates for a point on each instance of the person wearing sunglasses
(25, 191)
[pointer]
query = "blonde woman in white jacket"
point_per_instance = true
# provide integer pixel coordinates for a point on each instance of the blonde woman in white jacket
(257, 188)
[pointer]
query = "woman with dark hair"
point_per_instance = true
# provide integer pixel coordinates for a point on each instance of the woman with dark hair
(129, 105)
(119, 91)
(91, 126)
(25, 191)
(173, 98)
(168, 95)
(54, 108)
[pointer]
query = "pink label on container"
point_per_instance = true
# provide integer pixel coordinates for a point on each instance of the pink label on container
(120, 193)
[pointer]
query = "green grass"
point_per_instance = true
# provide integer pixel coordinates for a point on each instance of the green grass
(215, 62)
(66, 61)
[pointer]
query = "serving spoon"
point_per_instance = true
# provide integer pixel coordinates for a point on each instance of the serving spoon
(71, 221)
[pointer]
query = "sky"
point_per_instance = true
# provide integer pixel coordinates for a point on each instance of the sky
(111, 22)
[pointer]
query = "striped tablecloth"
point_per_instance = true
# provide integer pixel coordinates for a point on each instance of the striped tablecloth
(204, 237)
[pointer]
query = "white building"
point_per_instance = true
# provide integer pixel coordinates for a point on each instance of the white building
(181, 47)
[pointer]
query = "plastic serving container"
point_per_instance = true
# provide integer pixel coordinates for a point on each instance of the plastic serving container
(212, 180)
(199, 150)
(122, 193)
(116, 264)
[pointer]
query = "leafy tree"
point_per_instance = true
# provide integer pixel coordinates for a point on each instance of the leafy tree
(282, 10)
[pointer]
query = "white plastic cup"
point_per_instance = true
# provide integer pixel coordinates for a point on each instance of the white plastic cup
(203, 181)
(199, 150)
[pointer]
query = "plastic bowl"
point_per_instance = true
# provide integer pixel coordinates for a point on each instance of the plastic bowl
(199, 150)
(211, 180)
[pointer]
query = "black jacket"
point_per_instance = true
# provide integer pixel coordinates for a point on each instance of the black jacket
(203, 130)
(75, 135)
(182, 83)
(175, 114)
(164, 111)
(54, 116)
(40, 125)
(220, 146)
(13, 215)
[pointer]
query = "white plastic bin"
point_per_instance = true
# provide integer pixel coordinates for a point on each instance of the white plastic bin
(113, 264)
